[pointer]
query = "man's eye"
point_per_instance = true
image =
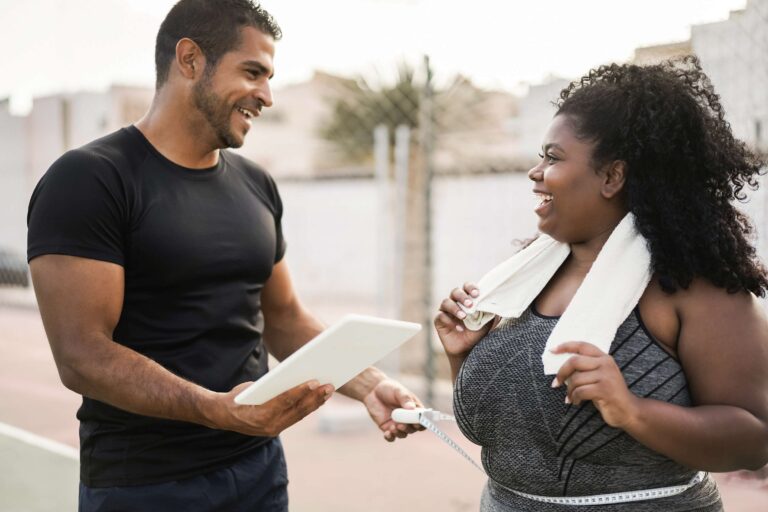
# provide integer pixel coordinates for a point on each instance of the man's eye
(254, 73)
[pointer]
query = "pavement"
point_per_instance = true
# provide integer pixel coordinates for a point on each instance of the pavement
(337, 460)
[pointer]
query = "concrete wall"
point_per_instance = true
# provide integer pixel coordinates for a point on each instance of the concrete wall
(733, 53)
(13, 182)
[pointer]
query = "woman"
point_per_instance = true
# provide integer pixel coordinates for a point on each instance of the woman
(684, 387)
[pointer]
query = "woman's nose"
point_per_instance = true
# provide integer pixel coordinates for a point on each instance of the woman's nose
(535, 173)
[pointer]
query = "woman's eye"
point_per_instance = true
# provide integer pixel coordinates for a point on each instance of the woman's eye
(549, 158)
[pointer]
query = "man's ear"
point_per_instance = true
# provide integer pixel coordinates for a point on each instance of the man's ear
(614, 178)
(189, 58)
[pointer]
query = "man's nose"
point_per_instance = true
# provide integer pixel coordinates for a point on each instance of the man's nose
(264, 94)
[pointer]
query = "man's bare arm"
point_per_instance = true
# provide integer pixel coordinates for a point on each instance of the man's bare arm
(288, 326)
(81, 301)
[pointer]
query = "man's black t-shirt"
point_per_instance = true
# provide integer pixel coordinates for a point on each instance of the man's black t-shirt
(197, 246)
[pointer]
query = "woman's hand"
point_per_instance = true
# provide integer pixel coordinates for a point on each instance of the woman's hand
(591, 374)
(457, 340)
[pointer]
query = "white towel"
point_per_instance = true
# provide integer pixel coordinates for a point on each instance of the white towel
(609, 292)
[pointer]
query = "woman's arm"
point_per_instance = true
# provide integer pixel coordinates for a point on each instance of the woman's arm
(457, 340)
(723, 348)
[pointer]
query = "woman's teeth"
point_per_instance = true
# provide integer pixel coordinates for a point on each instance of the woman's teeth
(543, 198)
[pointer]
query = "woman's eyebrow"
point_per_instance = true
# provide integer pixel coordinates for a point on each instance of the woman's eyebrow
(552, 145)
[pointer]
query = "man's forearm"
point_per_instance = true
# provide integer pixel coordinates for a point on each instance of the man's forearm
(363, 383)
(121, 377)
(285, 335)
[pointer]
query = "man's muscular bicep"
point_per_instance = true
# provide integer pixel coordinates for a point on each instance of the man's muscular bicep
(80, 303)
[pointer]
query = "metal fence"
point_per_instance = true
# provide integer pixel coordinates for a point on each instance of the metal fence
(13, 269)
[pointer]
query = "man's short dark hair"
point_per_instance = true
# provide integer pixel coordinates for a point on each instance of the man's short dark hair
(214, 25)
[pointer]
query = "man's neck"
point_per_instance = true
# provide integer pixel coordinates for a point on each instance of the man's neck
(177, 135)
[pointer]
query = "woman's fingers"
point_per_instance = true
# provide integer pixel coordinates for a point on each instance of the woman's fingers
(446, 322)
(471, 289)
(461, 297)
(450, 307)
(575, 364)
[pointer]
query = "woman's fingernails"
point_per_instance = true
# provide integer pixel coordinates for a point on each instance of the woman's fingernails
(459, 328)
(567, 400)
(461, 314)
(474, 293)
(467, 302)
(555, 383)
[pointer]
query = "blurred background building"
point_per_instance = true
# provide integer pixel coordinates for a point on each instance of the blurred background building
(392, 228)
(388, 184)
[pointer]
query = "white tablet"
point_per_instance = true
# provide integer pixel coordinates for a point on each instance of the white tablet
(334, 356)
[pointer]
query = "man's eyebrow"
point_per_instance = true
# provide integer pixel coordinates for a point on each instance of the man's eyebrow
(258, 65)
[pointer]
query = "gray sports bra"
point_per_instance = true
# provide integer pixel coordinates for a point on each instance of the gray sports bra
(534, 443)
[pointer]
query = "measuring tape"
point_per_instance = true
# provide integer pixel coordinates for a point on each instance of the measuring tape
(427, 417)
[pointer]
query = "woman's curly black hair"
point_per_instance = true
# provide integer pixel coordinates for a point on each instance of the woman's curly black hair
(684, 168)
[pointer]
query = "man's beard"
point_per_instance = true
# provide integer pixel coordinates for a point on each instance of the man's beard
(216, 112)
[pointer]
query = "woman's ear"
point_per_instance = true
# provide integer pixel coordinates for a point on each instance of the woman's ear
(614, 178)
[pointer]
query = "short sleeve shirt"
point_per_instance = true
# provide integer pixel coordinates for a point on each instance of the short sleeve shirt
(197, 247)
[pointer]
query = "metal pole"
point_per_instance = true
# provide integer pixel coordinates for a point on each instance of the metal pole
(389, 253)
(384, 256)
(402, 169)
(427, 142)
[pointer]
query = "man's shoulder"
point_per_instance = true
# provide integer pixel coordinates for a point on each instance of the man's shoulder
(259, 179)
(245, 165)
(117, 152)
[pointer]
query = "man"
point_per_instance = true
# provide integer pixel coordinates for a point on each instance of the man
(157, 261)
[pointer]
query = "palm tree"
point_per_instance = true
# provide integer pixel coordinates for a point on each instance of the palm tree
(359, 107)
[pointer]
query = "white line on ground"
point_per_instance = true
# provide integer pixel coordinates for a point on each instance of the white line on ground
(39, 441)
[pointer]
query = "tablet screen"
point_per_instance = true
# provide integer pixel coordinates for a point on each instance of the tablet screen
(335, 356)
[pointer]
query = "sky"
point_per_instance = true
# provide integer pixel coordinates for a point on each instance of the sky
(52, 46)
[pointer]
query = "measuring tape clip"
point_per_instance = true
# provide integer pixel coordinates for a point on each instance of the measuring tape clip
(425, 418)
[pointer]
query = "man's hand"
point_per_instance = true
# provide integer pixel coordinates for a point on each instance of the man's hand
(270, 418)
(385, 397)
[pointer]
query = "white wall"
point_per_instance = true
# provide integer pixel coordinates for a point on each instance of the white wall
(734, 54)
(13, 183)
(335, 243)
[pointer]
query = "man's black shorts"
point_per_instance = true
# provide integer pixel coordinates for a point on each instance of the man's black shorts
(256, 482)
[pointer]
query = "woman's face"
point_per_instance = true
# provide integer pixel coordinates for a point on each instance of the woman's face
(571, 207)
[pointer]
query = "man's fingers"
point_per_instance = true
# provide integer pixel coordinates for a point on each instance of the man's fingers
(240, 387)
(307, 404)
(297, 397)
(288, 398)
(404, 398)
